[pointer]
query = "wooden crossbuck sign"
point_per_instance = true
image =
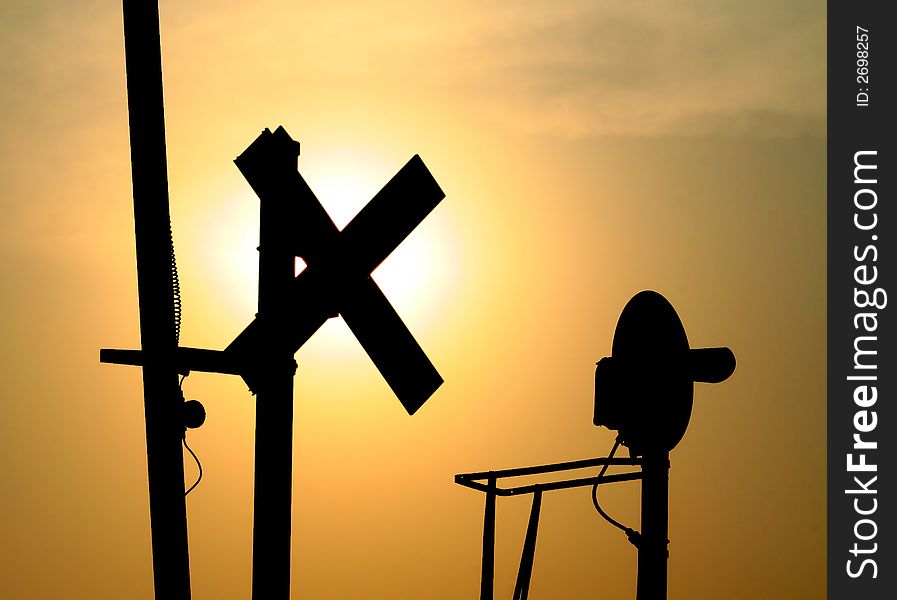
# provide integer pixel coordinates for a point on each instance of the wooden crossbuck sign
(336, 281)
(337, 278)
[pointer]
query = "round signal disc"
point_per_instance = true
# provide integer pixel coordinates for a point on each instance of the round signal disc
(650, 342)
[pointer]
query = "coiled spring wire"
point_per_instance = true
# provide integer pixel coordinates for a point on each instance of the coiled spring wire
(175, 286)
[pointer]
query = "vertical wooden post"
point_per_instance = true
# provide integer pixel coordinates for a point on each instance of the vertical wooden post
(162, 402)
(652, 549)
(272, 518)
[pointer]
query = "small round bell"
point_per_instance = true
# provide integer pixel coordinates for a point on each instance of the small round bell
(194, 414)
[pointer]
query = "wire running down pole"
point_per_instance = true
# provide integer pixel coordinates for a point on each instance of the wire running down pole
(162, 402)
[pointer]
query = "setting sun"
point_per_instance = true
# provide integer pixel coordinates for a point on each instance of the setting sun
(415, 276)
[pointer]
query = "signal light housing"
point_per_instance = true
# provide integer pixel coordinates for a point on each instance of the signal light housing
(645, 388)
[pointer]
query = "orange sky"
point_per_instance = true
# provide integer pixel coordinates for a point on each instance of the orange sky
(588, 150)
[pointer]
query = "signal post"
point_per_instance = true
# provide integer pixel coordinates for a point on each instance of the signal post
(652, 547)
(644, 390)
(274, 369)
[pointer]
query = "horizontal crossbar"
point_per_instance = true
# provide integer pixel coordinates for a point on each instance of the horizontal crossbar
(186, 360)
(476, 481)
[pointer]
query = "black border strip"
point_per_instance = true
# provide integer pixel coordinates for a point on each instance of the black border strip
(862, 370)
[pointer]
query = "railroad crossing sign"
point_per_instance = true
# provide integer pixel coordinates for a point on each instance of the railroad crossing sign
(336, 281)
(337, 278)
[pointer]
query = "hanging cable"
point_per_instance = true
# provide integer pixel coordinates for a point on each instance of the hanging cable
(633, 535)
(198, 464)
(184, 440)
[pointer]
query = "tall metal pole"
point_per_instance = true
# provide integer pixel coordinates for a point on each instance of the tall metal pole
(487, 580)
(162, 403)
(652, 549)
(272, 518)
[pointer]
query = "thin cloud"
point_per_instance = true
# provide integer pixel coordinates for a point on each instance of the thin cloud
(657, 69)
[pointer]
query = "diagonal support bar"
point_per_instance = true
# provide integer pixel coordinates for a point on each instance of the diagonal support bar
(527, 557)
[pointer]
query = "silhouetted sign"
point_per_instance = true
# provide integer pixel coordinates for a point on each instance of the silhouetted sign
(337, 278)
(645, 389)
